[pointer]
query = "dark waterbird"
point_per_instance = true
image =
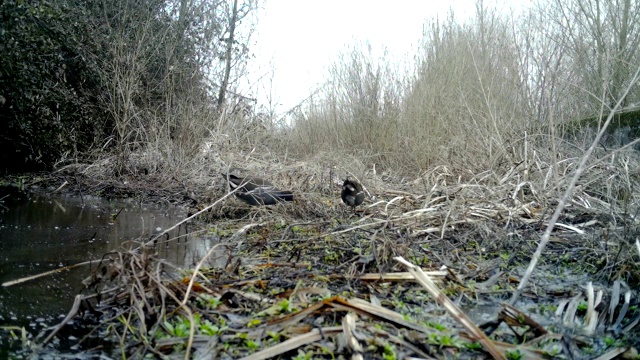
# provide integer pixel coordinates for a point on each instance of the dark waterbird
(352, 193)
(256, 191)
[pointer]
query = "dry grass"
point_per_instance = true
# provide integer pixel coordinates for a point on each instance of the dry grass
(313, 262)
(478, 105)
(325, 262)
(460, 145)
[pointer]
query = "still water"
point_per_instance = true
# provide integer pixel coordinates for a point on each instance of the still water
(40, 234)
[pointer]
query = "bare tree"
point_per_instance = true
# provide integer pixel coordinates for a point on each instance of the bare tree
(236, 46)
(601, 38)
(228, 57)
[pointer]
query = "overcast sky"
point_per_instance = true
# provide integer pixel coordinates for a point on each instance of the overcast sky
(299, 39)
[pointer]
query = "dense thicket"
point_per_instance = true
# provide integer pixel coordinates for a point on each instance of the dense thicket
(47, 84)
(77, 76)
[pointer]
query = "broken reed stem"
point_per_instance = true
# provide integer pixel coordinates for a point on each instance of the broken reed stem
(453, 310)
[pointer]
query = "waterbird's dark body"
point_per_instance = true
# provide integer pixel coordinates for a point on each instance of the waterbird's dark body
(255, 191)
(352, 193)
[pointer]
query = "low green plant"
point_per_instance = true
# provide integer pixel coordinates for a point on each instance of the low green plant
(285, 306)
(473, 346)
(181, 328)
(611, 342)
(554, 350)
(325, 350)
(514, 355)
(252, 345)
(303, 356)
(208, 302)
(389, 352)
(547, 309)
(399, 304)
(444, 341)
(210, 329)
(274, 336)
(331, 256)
(322, 278)
(582, 306)
(276, 290)
(436, 326)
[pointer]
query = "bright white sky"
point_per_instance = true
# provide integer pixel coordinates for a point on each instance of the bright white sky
(299, 39)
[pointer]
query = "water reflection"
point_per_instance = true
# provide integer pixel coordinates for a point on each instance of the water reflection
(39, 234)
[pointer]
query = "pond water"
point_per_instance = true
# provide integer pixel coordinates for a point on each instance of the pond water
(40, 234)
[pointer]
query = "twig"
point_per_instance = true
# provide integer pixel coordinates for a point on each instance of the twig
(51, 272)
(73, 312)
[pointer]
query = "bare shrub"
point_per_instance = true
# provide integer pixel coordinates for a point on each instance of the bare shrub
(162, 72)
(601, 41)
(465, 100)
(484, 93)
(356, 112)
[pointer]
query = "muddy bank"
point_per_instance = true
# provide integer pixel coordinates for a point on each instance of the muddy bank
(144, 189)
